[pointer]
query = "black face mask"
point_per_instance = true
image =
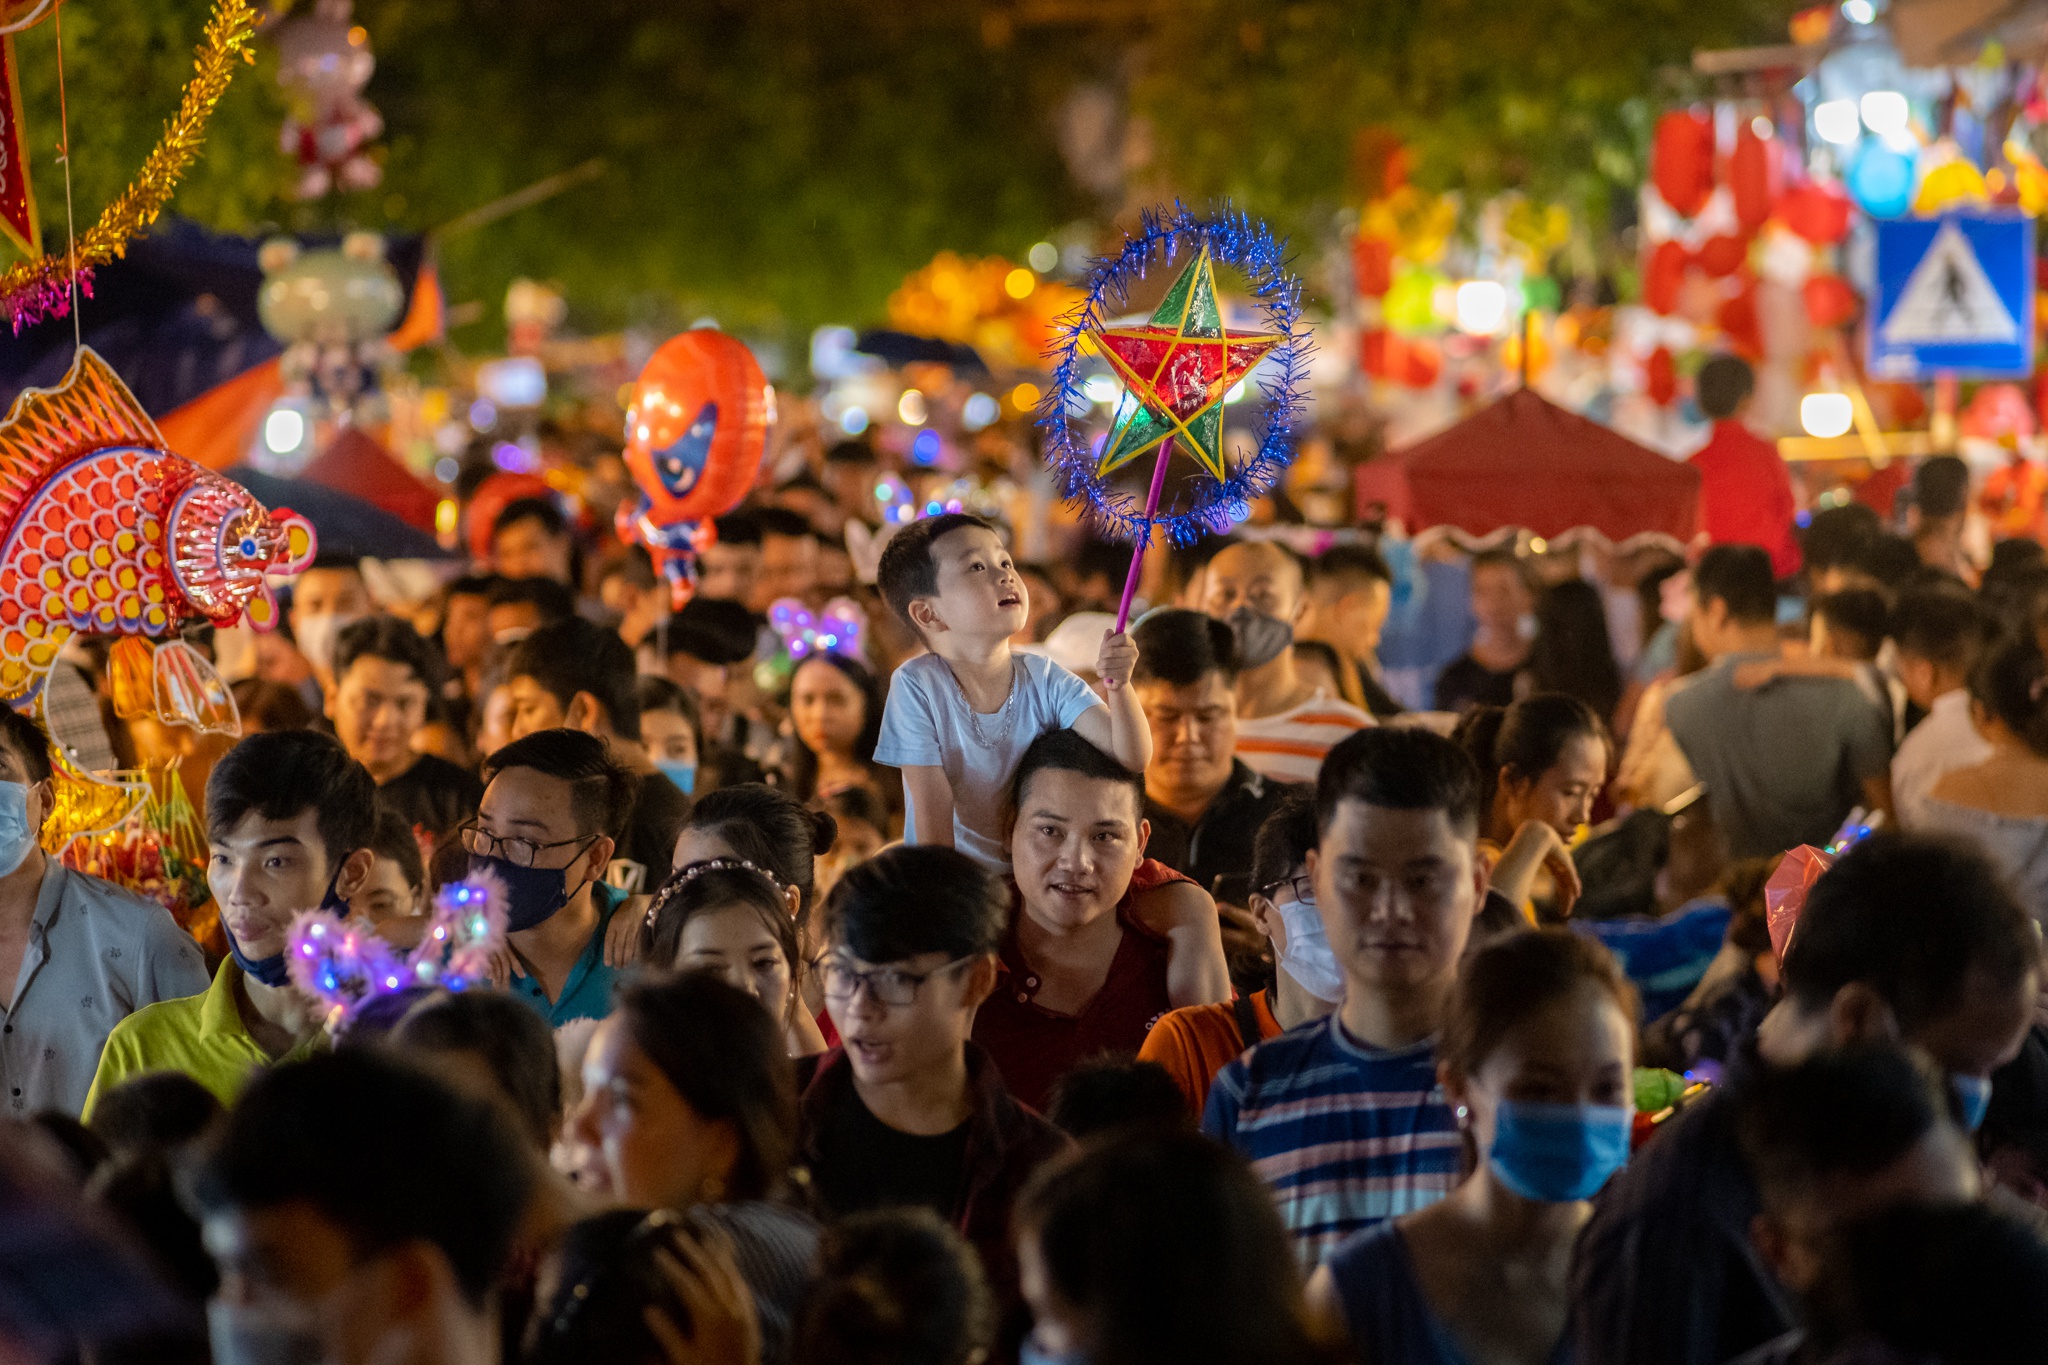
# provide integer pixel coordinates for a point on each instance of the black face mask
(1260, 638)
(532, 894)
(272, 971)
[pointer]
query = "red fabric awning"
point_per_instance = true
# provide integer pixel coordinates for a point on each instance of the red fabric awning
(1525, 463)
(357, 464)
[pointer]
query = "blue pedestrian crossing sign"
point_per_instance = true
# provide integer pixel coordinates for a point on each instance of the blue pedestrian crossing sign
(1954, 296)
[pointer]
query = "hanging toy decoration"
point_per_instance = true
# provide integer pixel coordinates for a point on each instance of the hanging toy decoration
(323, 63)
(696, 432)
(1178, 368)
(333, 308)
(344, 964)
(102, 529)
(41, 288)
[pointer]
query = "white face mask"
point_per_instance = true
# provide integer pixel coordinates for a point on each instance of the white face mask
(316, 636)
(275, 1332)
(17, 834)
(1307, 956)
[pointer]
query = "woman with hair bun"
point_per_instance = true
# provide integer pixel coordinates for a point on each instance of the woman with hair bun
(1543, 762)
(2002, 803)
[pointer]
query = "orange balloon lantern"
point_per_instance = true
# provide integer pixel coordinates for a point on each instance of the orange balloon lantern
(695, 434)
(1682, 161)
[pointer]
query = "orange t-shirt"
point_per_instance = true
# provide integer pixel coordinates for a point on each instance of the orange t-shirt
(1195, 1042)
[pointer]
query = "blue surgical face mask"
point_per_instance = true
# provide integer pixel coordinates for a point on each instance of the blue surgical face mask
(272, 971)
(17, 836)
(278, 1332)
(1973, 1093)
(684, 775)
(1031, 1353)
(1557, 1153)
(1307, 957)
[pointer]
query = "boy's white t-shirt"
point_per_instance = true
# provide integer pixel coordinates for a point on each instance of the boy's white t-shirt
(927, 723)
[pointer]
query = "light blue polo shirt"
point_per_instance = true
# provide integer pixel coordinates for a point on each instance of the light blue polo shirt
(587, 994)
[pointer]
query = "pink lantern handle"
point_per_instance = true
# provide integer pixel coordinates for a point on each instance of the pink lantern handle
(1123, 608)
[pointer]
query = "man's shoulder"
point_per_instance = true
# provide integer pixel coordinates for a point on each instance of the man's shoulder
(101, 896)
(159, 1033)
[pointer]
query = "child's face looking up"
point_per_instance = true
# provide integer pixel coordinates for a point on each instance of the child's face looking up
(980, 591)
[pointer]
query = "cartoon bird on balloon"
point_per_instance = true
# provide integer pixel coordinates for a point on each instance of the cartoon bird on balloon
(696, 432)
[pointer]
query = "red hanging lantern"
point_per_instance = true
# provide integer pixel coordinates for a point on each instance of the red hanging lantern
(1682, 161)
(1737, 320)
(1380, 352)
(1372, 266)
(1660, 377)
(1423, 365)
(1722, 256)
(1830, 301)
(1664, 276)
(1819, 213)
(1755, 176)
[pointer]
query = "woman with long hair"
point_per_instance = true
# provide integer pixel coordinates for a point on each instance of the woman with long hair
(1573, 652)
(729, 917)
(2002, 803)
(1542, 763)
(835, 718)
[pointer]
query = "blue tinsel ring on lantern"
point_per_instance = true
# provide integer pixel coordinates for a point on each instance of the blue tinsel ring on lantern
(1234, 239)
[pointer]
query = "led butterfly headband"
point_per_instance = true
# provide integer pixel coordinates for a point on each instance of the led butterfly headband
(345, 965)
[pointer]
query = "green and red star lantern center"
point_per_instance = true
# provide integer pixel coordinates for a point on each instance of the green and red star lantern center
(1177, 367)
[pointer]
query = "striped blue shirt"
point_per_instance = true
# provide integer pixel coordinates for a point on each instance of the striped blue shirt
(1345, 1135)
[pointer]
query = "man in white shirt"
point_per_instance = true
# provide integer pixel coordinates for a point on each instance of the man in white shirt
(1940, 634)
(1285, 723)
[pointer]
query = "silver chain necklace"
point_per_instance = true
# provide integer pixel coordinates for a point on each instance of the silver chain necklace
(974, 716)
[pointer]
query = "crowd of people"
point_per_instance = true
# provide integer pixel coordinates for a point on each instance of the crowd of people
(990, 984)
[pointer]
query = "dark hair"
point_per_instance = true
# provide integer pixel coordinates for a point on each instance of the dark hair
(907, 571)
(1889, 559)
(1399, 770)
(141, 1190)
(391, 838)
(1065, 751)
(1527, 739)
(272, 705)
(470, 585)
(1913, 917)
(1740, 576)
(725, 1056)
(1172, 1247)
(896, 1287)
(282, 775)
(659, 694)
(153, 1111)
(1858, 612)
(803, 762)
(739, 527)
(1352, 562)
(555, 601)
(1572, 652)
(1283, 840)
(1960, 1283)
(1180, 648)
(1106, 1092)
(912, 899)
(1506, 983)
(1502, 557)
(601, 789)
(22, 733)
(2012, 683)
(1941, 487)
(572, 656)
(706, 887)
(850, 452)
(395, 641)
(1721, 385)
(512, 1041)
(633, 564)
(542, 510)
(768, 829)
(450, 1170)
(781, 521)
(1945, 627)
(716, 630)
(1837, 535)
(1848, 1111)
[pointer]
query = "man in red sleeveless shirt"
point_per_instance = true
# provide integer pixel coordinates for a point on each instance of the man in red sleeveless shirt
(1745, 489)
(1103, 940)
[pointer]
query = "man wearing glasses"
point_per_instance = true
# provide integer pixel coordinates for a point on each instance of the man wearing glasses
(554, 803)
(907, 1110)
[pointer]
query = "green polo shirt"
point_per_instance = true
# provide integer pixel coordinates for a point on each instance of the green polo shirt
(587, 994)
(201, 1035)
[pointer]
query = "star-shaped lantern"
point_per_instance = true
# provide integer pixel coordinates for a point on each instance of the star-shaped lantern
(1178, 366)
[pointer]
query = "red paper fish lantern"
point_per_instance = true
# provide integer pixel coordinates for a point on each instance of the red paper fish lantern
(1755, 175)
(1682, 161)
(1819, 213)
(695, 434)
(1664, 276)
(1830, 301)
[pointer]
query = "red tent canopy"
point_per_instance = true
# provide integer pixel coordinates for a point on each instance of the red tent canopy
(1526, 463)
(357, 464)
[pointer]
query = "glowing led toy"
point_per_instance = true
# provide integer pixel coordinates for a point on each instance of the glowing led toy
(835, 630)
(345, 964)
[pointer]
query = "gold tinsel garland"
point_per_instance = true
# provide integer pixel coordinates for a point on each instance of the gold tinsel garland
(42, 288)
